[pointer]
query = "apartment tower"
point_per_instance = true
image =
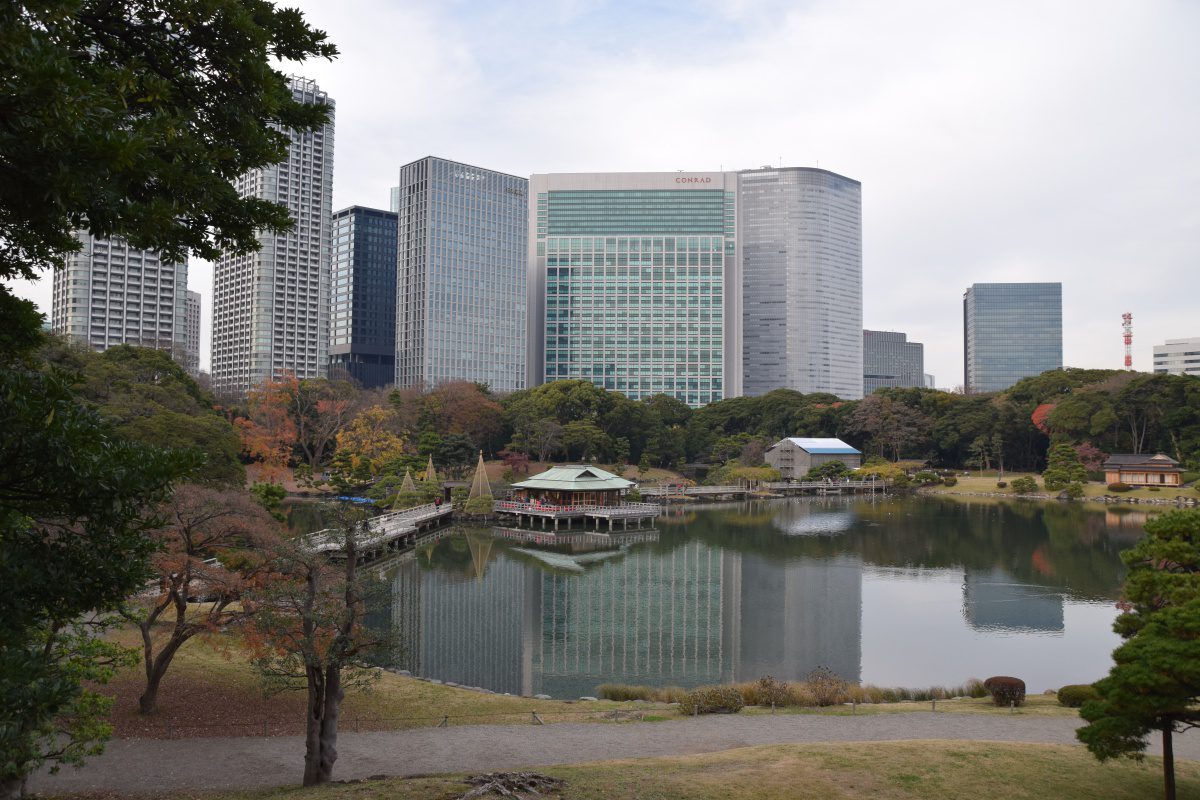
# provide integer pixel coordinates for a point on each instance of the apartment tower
(271, 307)
(109, 293)
(192, 338)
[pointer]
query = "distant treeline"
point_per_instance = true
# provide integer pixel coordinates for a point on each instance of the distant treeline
(321, 424)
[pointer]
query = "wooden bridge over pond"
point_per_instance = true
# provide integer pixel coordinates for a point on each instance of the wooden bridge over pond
(386, 533)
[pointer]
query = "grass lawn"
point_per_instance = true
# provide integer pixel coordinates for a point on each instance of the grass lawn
(976, 484)
(930, 770)
(213, 691)
(216, 692)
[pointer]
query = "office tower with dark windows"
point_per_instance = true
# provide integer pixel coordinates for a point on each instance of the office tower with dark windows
(634, 283)
(362, 319)
(800, 232)
(889, 359)
(192, 338)
(271, 307)
(1010, 331)
(460, 279)
(109, 293)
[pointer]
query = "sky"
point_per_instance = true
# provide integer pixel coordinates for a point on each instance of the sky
(1015, 141)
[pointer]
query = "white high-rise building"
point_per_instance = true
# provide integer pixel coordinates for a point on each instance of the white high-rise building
(271, 307)
(109, 293)
(1178, 357)
(802, 299)
(191, 348)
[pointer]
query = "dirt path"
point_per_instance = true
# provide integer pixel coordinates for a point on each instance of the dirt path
(131, 766)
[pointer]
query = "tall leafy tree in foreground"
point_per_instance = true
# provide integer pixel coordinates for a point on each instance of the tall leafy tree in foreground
(123, 118)
(73, 545)
(1155, 683)
(308, 634)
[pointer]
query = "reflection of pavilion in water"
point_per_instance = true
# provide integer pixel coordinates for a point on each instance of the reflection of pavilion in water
(688, 616)
(994, 600)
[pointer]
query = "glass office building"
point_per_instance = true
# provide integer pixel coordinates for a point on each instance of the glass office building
(890, 360)
(271, 306)
(633, 283)
(1010, 331)
(362, 318)
(801, 242)
(460, 293)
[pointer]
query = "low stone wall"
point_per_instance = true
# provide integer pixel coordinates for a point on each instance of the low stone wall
(1182, 501)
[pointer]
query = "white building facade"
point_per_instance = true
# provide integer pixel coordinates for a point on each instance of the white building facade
(110, 294)
(1178, 357)
(271, 307)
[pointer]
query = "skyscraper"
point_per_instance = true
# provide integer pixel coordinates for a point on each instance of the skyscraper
(1178, 357)
(271, 307)
(362, 323)
(192, 337)
(634, 283)
(460, 280)
(110, 293)
(889, 359)
(1010, 331)
(801, 245)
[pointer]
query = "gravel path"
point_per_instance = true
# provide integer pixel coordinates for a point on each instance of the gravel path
(130, 766)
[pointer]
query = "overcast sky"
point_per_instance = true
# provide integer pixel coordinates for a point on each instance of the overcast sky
(1015, 141)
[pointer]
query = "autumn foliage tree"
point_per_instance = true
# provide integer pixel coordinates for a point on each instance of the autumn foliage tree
(213, 547)
(308, 633)
(290, 417)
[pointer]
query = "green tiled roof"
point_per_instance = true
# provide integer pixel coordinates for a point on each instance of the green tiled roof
(585, 478)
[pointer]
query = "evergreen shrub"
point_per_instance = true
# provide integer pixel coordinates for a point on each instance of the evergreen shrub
(1075, 695)
(1119, 486)
(712, 700)
(951, 481)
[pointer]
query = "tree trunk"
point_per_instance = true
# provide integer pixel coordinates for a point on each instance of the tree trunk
(324, 707)
(1168, 762)
(156, 669)
(312, 727)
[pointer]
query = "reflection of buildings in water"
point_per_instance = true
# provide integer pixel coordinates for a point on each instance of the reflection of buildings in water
(693, 615)
(1126, 519)
(797, 616)
(993, 600)
(646, 618)
(814, 518)
(477, 633)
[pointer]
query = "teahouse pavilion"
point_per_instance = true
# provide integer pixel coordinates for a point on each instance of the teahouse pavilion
(575, 485)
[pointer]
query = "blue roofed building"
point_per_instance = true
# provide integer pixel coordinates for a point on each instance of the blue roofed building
(796, 455)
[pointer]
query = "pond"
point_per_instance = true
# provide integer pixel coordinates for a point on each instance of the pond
(895, 592)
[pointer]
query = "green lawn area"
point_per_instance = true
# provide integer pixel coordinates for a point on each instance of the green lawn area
(929, 770)
(975, 484)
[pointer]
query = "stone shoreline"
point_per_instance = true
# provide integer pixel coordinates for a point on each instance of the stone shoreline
(1180, 501)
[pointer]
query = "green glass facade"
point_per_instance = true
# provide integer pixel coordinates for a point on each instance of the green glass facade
(635, 288)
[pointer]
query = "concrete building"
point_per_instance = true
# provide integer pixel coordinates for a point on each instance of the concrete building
(795, 456)
(109, 293)
(634, 283)
(1010, 331)
(192, 339)
(271, 307)
(890, 360)
(1178, 357)
(800, 234)
(461, 259)
(362, 316)
(930, 381)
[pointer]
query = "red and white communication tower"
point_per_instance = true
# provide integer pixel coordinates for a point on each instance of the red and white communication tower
(1127, 325)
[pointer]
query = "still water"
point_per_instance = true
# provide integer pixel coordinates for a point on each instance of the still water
(895, 592)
